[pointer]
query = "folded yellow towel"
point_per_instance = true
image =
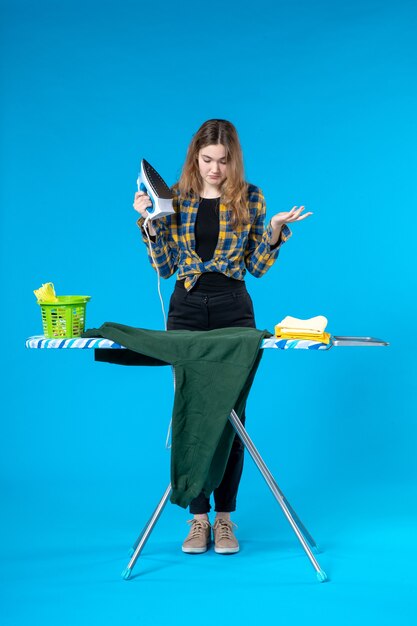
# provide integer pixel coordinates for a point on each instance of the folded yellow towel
(295, 328)
(323, 338)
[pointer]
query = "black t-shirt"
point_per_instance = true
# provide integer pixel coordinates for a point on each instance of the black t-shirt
(206, 228)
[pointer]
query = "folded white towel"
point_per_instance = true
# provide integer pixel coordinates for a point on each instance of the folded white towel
(314, 325)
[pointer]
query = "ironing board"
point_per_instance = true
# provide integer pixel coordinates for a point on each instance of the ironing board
(307, 542)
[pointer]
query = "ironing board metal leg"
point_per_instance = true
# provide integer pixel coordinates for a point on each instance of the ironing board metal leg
(271, 480)
(144, 535)
(148, 523)
(240, 430)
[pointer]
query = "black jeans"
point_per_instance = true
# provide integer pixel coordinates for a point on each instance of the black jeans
(209, 311)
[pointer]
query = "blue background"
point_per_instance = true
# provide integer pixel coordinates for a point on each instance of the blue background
(323, 95)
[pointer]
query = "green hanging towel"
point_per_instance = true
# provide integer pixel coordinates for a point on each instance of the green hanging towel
(214, 371)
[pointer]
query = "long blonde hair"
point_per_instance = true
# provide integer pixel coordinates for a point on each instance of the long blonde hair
(234, 190)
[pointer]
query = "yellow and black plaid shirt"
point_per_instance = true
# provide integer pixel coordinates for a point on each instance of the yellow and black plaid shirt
(236, 251)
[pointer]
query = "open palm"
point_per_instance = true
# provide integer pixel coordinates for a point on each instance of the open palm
(287, 217)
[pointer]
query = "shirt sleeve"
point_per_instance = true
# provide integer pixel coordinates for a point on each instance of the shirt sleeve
(260, 255)
(163, 244)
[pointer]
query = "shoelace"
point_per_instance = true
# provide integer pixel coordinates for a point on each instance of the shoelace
(197, 526)
(223, 528)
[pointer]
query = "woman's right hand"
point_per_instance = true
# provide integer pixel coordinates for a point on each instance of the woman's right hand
(142, 200)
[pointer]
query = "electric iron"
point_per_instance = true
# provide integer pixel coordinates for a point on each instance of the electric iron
(160, 194)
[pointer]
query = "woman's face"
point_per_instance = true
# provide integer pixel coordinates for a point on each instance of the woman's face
(212, 164)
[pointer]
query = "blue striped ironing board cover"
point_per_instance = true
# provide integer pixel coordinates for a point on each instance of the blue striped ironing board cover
(39, 341)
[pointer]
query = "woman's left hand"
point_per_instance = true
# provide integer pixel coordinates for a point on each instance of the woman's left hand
(279, 219)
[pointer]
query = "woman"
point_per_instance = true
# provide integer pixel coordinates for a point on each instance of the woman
(216, 234)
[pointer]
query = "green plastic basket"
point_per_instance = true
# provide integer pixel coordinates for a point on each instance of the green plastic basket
(65, 318)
